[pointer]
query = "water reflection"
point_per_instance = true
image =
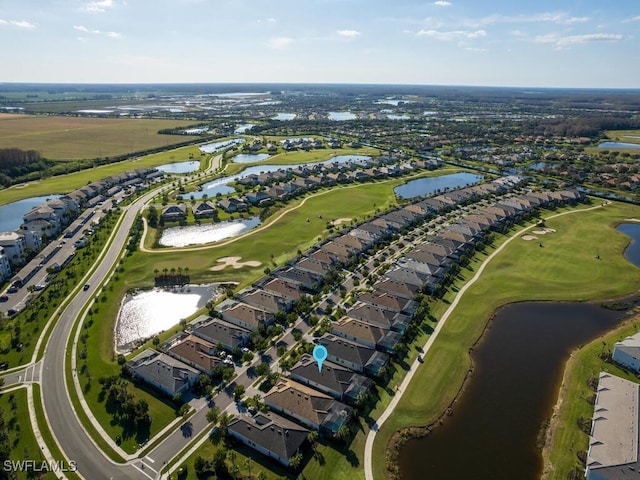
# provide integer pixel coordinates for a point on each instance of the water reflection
(180, 167)
(11, 214)
(632, 252)
(250, 157)
(145, 314)
(427, 186)
(208, 233)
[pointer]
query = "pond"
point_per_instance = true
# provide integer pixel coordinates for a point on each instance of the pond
(284, 116)
(207, 233)
(217, 146)
(632, 252)
(145, 314)
(427, 186)
(11, 214)
(341, 116)
(398, 117)
(243, 128)
(618, 145)
(219, 185)
(250, 157)
(180, 167)
(517, 373)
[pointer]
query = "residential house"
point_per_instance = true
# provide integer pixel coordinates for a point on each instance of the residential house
(245, 316)
(204, 210)
(388, 301)
(264, 300)
(270, 434)
(335, 380)
(366, 334)
(305, 279)
(353, 355)
(380, 317)
(13, 245)
(217, 331)
(397, 288)
(167, 374)
(627, 353)
(308, 406)
(196, 352)
(283, 288)
(174, 212)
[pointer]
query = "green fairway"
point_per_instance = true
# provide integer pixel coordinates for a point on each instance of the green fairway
(565, 269)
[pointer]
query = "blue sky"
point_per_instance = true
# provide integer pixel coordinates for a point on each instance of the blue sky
(579, 43)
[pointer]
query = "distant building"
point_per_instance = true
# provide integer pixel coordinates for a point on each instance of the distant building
(5, 266)
(627, 352)
(13, 244)
(613, 444)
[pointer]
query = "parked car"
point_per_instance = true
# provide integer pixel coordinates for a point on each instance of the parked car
(86, 287)
(4, 298)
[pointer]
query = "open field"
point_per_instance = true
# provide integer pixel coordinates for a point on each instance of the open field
(565, 269)
(70, 138)
(626, 136)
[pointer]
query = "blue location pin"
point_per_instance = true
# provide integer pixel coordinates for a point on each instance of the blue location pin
(320, 355)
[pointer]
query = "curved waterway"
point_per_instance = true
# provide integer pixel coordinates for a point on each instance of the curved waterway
(632, 252)
(518, 367)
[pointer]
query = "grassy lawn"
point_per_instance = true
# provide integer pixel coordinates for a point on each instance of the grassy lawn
(564, 269)
(66, 138)
(567, 440)
(73, 181)
(13, 408)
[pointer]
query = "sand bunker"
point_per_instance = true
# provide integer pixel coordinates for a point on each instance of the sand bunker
(529, 237)
(234, 262)
(338, 221)
(632, 220)
(544, 231)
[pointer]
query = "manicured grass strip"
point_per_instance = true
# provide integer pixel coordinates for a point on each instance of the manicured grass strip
(564, 269)
(43, 426)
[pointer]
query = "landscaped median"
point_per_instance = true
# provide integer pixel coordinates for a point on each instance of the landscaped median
(565, 269)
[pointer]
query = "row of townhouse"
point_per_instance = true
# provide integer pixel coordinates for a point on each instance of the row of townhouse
(46, 221)
(360, 343)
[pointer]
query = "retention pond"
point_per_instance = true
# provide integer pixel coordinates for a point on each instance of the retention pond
(518, 366)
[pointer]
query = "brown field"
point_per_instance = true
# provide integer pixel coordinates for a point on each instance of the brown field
(72, 138)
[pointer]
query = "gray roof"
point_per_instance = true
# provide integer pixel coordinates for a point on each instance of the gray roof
(333, 377)
(271, 432)
(365, 357)
(162, 370)
(613, 446)
(216, 330)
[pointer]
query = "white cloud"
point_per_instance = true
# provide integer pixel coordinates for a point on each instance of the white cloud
(17, 23)
(562, 18)
(561, 42)
(83, 29)
(280, 43)
(632, 19)
(99, 6)
(442, 3)
(348, 33)
(452, 35)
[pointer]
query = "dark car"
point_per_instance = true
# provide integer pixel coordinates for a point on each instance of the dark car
(86, 287)
(4, 298)
(12, 289)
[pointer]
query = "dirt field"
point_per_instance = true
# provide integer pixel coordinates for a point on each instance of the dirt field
(70, 138)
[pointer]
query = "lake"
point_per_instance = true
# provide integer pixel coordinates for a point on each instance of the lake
(618, 145)
(398, 117)
(243, 128)
(180, 167)
(217, 146)
(632, 252)
(219, 185)
(250, 157)
(514, 385)
(11, 214)
(207, 233)
(341, 116)
(147, 313)
(427, 186)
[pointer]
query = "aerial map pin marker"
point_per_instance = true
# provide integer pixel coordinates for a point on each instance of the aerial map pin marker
(320, 355)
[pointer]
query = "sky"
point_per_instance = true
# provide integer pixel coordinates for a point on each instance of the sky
(542, 43)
